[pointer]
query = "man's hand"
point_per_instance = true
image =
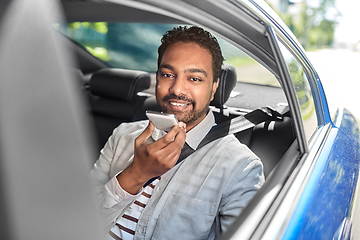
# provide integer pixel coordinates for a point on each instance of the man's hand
(152, 160)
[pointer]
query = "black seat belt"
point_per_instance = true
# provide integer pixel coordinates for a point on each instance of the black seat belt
(235, 125)
(232, 126)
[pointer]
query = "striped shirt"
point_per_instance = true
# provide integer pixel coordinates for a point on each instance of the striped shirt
(124, 228)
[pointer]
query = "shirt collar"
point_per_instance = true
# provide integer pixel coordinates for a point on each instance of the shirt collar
(196, 134)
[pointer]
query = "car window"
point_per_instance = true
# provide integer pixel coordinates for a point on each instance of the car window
(303, 92)
(134, 46)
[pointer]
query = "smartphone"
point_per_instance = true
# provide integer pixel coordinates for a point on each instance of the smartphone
(162, 121)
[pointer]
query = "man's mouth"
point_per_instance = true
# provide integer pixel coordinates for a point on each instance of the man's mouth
(177, 104)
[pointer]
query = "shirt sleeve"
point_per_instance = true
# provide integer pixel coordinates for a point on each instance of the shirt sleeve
(245, 181)
(116, 194)
(110, 198)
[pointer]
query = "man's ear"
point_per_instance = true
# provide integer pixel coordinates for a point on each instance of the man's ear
(214, 87)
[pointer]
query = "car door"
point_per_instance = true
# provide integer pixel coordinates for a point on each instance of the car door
(318, 201)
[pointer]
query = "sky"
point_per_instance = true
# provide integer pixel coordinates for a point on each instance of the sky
(348, 29)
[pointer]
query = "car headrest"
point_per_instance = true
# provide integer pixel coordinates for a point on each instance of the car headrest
(119, 84)
(227, 82)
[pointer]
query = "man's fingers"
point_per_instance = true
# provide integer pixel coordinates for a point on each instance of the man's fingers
(160, 156)
(174, 147)
(180, 127)
(165, 147)
(180, 137)
(170, 136)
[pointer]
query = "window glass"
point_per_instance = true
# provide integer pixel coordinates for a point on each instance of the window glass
(248, 70)
(121, 45)
(303, 92)
(134, 46)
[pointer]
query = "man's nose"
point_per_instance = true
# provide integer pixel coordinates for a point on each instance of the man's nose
(179, 86)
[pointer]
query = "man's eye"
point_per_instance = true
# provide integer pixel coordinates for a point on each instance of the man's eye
(166, 75)
(194, 79)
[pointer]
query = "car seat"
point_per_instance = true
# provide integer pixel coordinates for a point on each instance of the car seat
(113, 98)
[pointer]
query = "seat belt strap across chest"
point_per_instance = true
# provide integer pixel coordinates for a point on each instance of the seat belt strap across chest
(235, 125)
(241, 123)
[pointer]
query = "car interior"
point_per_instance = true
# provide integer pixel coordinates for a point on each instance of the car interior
(114, 95)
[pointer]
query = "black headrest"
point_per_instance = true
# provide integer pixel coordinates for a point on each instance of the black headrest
(119, 84)
(227, 83)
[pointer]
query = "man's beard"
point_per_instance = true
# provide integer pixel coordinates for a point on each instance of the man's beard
(186, 117)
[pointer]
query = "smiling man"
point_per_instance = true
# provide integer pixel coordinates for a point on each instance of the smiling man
(142, 192)
(185, 82)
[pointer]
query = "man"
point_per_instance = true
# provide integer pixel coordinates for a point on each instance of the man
(197, 198)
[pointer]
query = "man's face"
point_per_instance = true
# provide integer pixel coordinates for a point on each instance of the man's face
(184, 85)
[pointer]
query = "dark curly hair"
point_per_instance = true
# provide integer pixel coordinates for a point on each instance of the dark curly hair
(194, 35)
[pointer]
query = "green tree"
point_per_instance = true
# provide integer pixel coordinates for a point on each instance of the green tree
(313, 26)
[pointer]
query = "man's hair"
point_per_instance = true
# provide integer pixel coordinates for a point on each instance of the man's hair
(194, 35)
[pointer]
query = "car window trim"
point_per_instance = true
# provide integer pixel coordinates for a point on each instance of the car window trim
(288, 88)
(312, 77)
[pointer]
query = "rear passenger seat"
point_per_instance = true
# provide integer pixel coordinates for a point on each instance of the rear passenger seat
(269, 140)
(115, 97)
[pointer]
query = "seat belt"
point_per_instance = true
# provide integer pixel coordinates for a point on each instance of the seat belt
(235, 125)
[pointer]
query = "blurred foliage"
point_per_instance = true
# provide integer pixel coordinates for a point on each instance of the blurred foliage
(99, 52)
(95, 29)
(313, 26)
(240, 61)
(100, 27)
(134, 46)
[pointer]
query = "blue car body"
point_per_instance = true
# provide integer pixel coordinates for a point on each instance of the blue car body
(329, 194)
